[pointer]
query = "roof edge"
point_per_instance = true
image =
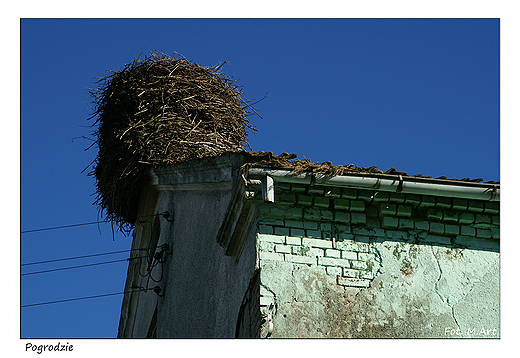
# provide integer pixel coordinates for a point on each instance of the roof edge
(386, 182)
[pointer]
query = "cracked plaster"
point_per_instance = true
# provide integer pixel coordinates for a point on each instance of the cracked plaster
(419, 291)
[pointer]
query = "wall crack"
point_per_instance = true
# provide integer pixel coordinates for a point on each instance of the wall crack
(436, 286)
(273, 295)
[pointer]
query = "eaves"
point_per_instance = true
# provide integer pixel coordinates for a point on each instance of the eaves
(385, 182)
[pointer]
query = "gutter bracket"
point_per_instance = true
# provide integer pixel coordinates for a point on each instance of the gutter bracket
(377, 185)
(313, 179)
(400, 186)
(268, 189)
(493, 193)
(388, 183)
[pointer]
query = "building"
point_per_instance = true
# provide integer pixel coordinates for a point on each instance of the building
(224, 249)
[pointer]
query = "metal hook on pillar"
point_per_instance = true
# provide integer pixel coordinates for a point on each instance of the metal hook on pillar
(158, 290)
(167, 216)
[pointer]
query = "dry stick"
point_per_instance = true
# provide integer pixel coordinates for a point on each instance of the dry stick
(151, 71)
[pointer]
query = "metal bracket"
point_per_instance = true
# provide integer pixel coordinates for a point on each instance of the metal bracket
(158, 290)
(270, 324)
(159, 256)
(493, 193)
(268, 189)
(167, 216)
(400, 186)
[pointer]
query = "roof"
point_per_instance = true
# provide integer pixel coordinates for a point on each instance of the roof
(266, 168)
(289, 162)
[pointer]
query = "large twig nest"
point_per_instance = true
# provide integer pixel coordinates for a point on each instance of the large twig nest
(158, 111)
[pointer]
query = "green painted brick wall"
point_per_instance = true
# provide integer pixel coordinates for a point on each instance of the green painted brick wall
(333, 227)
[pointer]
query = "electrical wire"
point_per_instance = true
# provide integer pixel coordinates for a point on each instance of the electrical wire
(80, 266)
(61, 227)
(140, 289)
(71, 267)
(78, 298)
(79, 257)
(166, 215)
(156, 289)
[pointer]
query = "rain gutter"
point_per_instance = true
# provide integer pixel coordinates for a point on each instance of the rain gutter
(385, 182)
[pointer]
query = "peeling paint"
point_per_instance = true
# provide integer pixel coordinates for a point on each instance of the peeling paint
(455, 253)
(406, 268)
(426, 298)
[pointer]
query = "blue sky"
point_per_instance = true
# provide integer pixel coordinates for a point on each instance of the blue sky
(420, 95)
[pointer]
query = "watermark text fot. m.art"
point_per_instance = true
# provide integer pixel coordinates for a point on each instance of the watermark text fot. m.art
(480, 332)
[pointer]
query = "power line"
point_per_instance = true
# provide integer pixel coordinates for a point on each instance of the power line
(78, 257)
(71, 267)
(78, 298)
(79, 266)
(61, 227)
(165, 214)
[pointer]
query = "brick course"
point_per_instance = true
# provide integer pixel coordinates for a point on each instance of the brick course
(333, 227)
(353, 282)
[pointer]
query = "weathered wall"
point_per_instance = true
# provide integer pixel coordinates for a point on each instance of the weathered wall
(203, 288)
(348, 263)
(138, 306)
(331, 262)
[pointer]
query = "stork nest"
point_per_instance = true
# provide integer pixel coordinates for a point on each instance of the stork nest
(158, 111)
